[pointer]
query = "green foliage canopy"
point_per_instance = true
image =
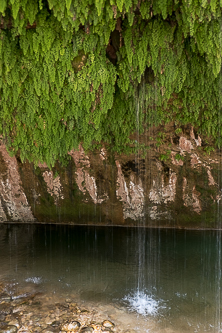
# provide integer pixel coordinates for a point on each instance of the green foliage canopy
(59, 87)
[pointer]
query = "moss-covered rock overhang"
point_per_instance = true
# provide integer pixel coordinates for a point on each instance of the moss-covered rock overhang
(98, 70)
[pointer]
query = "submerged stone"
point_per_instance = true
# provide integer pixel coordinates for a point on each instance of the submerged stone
(48, 321)
(72, 326)
(96, 327)
(107, 323)
(55, 323)
(14, 322)
(8, 329)
(86, 329)
(68, 300)
(5, 308)
(5, 297)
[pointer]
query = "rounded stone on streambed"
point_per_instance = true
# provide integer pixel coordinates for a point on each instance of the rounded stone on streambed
(48, 321)
(37, 329)
(85, 311)
(14, 322)
(86, 329)
(8, 329)
(5, 297)
(108, 324)
(2, 317)
(5, 308)
(71, 326)
(19, 302)
(63, 306)
(68, 300)
(72, 305)
(55, 323)
(96, 327)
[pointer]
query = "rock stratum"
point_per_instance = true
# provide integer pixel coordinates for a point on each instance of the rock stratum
(176, 183)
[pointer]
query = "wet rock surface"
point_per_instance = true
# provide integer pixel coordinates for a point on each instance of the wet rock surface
(174, 182)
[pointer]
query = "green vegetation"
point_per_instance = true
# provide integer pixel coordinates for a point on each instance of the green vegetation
(208, 150)
(95, 71)
(179, 157)
(178, 130)
(166, 156)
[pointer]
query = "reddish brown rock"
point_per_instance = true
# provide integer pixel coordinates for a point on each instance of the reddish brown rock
(102, 188)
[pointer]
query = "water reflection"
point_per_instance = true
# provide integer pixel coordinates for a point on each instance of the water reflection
(178, 273)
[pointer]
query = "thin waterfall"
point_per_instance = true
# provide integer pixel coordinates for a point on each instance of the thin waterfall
(218, 324)
(142, 299)
(140, 234)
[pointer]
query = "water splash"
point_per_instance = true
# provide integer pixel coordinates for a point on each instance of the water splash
(143, 303)
(34, 279)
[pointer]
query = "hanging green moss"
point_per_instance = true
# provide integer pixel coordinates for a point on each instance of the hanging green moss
(94, 71)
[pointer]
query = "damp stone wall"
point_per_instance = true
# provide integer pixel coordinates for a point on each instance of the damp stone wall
(176, 184)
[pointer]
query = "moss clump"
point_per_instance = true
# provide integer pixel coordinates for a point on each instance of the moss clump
(95, 71)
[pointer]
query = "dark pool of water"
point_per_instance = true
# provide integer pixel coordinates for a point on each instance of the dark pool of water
(170, 276)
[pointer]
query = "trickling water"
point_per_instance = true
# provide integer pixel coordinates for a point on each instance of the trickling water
(102, 265)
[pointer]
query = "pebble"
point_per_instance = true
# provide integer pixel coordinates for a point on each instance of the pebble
(24, 329)
(5, 297)
(37, 329)
(49, 321)
(14, 323)
(72, 326)
(96, 327)
(73, 305)
(86, 329)
(5, 308)
(55, 323)
(2, 317)
(107, 323)
(8, 329)
(18, 308)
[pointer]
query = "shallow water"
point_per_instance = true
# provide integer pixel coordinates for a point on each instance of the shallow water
(151, 280)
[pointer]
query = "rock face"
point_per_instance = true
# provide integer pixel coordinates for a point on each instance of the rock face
(175, 184)
(13, 201)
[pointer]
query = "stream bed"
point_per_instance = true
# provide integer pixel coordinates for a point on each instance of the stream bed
(143, 280)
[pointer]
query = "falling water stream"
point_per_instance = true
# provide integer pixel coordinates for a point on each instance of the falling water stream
(179, 290)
